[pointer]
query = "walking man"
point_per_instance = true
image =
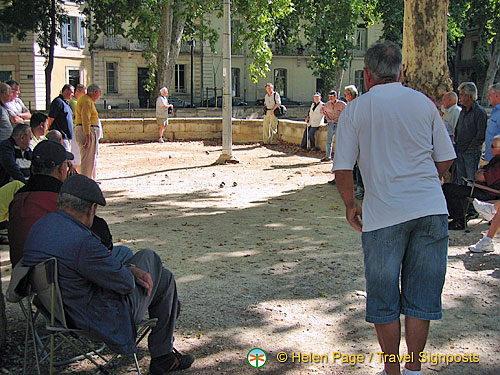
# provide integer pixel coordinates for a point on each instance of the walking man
(331, 110)
(403, 149)
(272, 100)
(87, 130)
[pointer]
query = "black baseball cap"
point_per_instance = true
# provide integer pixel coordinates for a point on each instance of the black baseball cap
(84, 188)
(49, 154)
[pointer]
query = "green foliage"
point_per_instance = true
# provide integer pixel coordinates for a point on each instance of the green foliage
(391, 14)
(16, 20)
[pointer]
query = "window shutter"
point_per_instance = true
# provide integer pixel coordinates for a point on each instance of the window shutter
(64, 34)
(81, 28)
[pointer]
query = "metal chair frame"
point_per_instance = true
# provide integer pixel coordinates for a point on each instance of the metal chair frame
(45, 294)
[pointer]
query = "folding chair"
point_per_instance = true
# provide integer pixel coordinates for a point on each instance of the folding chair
(470, 198)
(46, 296)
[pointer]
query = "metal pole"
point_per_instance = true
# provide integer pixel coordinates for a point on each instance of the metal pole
(227, 136)
(193, 43)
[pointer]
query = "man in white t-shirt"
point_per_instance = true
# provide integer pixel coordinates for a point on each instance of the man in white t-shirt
(162, 108)
(403, 149)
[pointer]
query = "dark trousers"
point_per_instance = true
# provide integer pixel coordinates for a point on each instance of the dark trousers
(465, 165)
(456, 199)
(312, 131)
(162, 303)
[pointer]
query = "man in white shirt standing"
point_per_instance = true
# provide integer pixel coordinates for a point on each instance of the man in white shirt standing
(162, 108)
(314, 120)
(403, 149)
(451, 111)
(272, 100)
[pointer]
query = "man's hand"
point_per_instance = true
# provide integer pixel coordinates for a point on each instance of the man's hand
(354, 214)
(142, 278)
(87, 141)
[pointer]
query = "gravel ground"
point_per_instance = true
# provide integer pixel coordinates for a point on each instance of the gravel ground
(264, 258)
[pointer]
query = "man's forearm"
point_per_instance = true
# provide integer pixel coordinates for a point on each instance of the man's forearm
(345, 185)
(443, 166)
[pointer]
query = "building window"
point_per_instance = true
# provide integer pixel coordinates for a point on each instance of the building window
(180, 78)
(235, 82)
(5, 39)
(359, 81)
(5, 75)
(280, 81)
(73, 77)
(73, 33)
(112, 77)
(235, 31)
(360, 40)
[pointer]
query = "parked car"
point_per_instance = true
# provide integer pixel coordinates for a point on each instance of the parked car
(284, 100)
(178, 102)
(211, 102)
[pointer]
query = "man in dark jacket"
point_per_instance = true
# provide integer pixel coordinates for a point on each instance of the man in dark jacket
(15, 155)
(488, 176)
(101, 295)
(61, 115)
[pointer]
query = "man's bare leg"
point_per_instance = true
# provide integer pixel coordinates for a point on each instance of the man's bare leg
(389, 336)
(416, 331)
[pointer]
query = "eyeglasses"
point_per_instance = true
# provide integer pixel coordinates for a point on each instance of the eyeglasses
(493, 146)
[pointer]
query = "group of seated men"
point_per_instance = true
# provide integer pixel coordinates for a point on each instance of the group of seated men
(106, 289)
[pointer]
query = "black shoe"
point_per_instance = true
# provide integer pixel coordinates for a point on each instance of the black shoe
(456, 225)
(174, 361)
(315, 149)
(332, 182)
(325, 159)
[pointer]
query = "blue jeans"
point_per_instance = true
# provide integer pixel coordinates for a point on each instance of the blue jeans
(465, 165)
(312, 131)
(416, 251)
(330, 132)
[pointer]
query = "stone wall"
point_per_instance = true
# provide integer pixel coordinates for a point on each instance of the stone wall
(244, 131)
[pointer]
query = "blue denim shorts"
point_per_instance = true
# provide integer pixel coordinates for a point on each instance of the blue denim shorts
(413, 253)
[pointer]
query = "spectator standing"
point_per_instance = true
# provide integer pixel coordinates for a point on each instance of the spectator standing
(331, 110)
(5, 124)
(61, 115)
(87, 130)
(162, 108)
(38, 125)
(493, 127)
(451, 112)
(403, 149)
(350, 93)
(80, 90)
(17, 110)
(314, 120)
(272, 100)
(469, 134)
(15, 155)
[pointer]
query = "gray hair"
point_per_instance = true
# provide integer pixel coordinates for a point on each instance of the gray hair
(384, 60)
(55, 136)
(469, 88)
(163, 89)
(73, 203)
(452, 95)
(496, 137)
(92, 88)
(4, 88)
(496, 87)
(351, 89)
(19, 130)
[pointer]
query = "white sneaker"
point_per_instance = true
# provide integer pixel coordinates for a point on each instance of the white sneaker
(487, 210)
(161, 140)
(484, 245)
(405, 371)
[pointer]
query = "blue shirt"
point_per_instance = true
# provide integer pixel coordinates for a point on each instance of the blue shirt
(62, 114)
(93, 282)
(492, 130)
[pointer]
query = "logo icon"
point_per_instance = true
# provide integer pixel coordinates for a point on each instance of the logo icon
(256, 357)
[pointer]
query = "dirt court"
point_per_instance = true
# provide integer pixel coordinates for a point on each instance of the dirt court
(264, 258)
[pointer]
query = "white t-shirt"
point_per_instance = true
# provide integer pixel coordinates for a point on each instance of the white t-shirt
(397, 134)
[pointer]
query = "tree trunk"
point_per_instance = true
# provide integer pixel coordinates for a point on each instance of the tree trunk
(3, 317)
(50, 59)
(424, 47)
(169, 43)
(491, 73)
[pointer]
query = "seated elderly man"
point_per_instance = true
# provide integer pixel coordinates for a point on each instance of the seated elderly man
(456, 195)
(100, 294)
(15, 155)
(39, 198)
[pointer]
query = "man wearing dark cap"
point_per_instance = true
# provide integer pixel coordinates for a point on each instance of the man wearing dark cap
(39, 196)
(101, 295)
(331, 110)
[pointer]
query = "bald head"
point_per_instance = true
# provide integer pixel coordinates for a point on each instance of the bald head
(450, 99)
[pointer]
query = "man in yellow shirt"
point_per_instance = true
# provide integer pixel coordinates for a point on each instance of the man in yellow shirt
(87, 129)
